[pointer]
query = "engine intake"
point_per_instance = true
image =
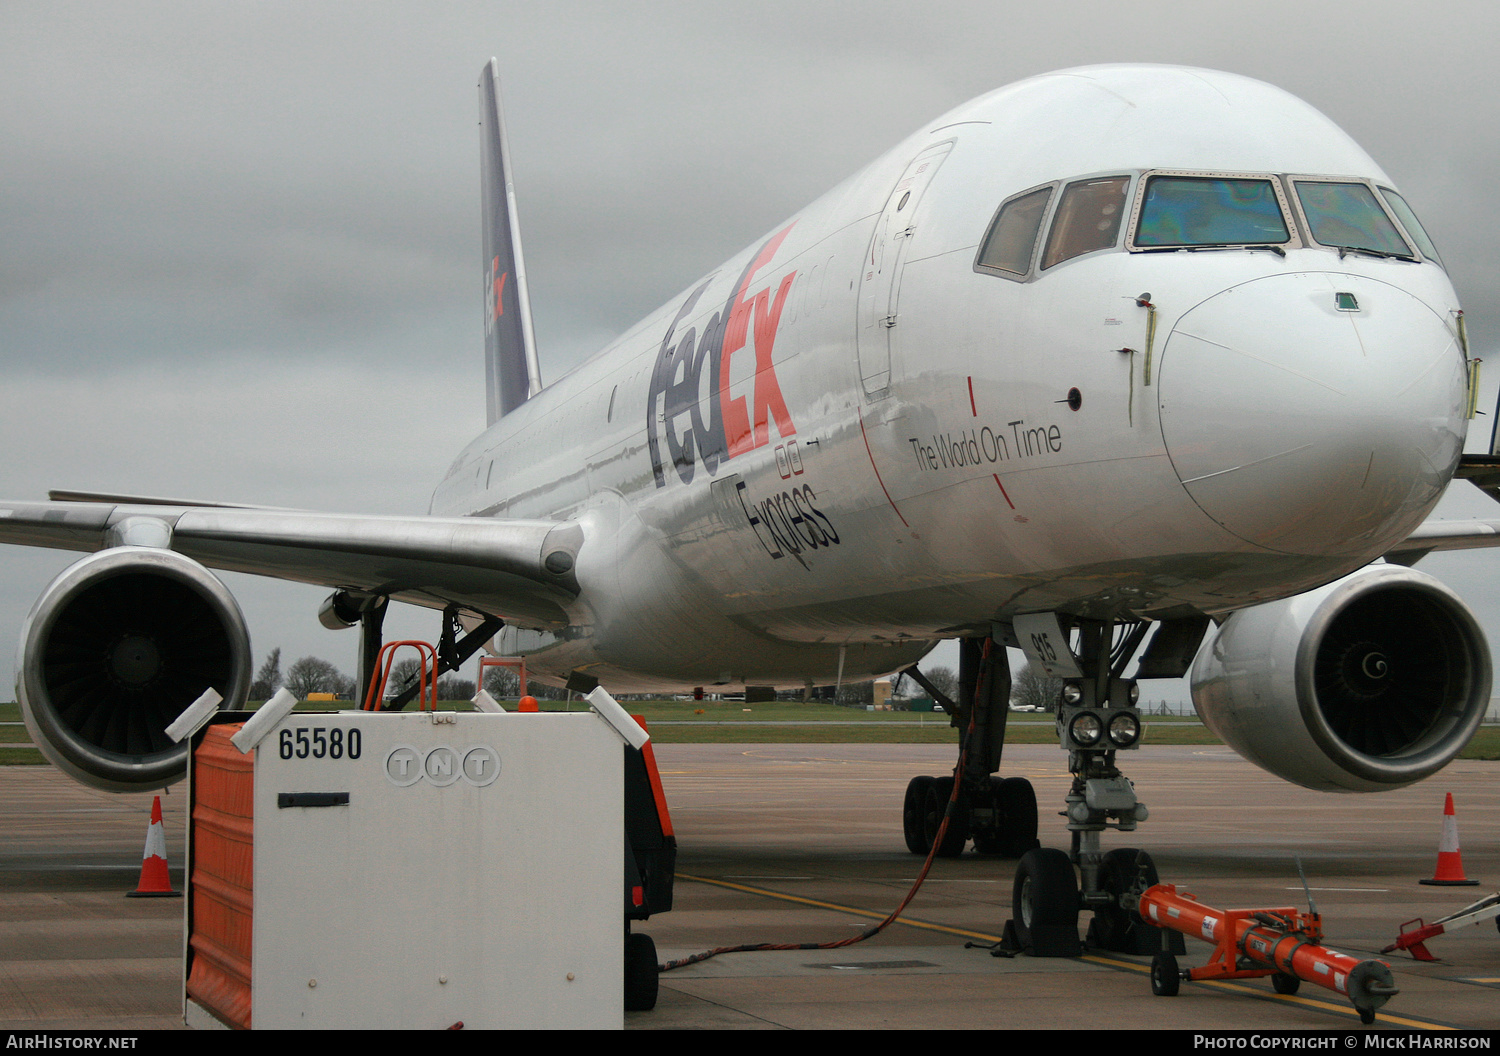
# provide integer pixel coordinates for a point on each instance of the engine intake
(1372, 682)
(114, 649)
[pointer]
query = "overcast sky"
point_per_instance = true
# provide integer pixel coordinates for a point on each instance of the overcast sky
(239, 244)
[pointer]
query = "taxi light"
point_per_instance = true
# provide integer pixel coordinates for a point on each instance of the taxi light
(1086, 729)
(1124, 730)
(1072, 693)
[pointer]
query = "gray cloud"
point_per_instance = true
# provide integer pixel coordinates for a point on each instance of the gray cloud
(240, 258)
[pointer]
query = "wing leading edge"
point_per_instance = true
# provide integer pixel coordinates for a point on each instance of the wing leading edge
(1482, 471)
(519, 570)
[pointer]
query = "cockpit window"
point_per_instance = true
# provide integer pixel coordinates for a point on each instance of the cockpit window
(1409, 221)
(1210, 211)
(1088, 218)
(1007, 247)
(1346, 215)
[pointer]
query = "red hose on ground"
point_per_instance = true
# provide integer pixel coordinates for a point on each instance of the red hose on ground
(874, 929)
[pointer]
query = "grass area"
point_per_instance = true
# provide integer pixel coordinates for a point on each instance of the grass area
(16, 735)
(787, 722)
(1485, 745)
(825, 734)
(873, 733)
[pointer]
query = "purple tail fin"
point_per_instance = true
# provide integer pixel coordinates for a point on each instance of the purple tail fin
(511, 372)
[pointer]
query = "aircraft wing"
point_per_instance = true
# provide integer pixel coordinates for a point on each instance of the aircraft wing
(1483, 471)
(519, 570)
(1444, 535)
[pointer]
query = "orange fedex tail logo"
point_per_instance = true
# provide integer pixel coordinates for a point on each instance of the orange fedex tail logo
(693, 413)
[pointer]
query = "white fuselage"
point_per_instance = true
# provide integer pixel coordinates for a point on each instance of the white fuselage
(849, 441)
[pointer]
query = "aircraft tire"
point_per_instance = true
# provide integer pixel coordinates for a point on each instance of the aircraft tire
(1045, 893)
(1016, 802)
(1114, 924)
(938, 794)
(1285, 984)
(1166, 980)
(641, 980)
(913, 811)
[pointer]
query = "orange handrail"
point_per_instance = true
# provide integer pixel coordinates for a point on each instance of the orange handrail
(427, 693)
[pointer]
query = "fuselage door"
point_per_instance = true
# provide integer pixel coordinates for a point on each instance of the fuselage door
(879, 281)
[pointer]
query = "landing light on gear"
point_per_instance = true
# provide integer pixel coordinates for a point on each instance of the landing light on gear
(1124, 729)
(1085, 729)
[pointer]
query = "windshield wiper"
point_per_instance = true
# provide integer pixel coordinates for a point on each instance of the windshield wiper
(1206, 249)
(1383, 254)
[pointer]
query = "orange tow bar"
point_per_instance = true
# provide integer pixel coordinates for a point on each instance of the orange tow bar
(1283, 943)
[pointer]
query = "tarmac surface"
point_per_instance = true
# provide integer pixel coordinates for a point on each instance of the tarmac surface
(802, 843)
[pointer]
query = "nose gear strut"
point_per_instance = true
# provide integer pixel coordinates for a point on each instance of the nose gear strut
(1096, 718)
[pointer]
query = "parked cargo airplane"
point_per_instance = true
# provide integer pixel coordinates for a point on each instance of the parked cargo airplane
(1108, 352)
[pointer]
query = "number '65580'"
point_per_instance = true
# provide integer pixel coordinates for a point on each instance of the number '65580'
(320, 742)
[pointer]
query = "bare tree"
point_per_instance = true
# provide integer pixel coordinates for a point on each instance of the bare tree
(851, 693)
(1034, 689)
(312, 674)
(502, 682)
(455, 688)
(404, 673)
(943, 680)
(268, 678)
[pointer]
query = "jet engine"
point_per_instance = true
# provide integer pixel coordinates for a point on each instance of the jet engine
(1372, 682)
(114, 649)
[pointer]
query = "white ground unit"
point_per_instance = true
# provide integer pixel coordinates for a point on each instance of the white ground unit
(427, 869)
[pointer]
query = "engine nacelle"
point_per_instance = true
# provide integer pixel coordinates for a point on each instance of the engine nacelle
(114, 649)
(1372, 682)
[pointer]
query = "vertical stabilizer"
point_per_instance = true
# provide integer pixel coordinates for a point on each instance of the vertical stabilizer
(511, 372)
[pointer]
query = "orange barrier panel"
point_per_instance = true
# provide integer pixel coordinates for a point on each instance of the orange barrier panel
(221, 885)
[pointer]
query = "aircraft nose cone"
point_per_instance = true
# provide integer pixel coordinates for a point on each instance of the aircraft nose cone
(1308, 429)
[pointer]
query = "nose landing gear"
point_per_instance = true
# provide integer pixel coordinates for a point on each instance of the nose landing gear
(1096, 717)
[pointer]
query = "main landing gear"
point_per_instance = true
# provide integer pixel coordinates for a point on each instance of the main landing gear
(999, 814)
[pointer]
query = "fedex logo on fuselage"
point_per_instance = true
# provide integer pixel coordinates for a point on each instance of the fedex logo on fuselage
(711, 423)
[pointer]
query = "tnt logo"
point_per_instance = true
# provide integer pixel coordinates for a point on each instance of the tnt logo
(442, 765)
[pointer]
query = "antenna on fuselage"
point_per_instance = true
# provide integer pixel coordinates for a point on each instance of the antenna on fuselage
(512, 374)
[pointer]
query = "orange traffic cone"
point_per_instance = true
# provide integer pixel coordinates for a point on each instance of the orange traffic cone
(1450, 864)
(154, 880)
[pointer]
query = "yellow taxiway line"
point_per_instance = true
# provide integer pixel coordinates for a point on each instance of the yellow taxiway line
(1344, 1011)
